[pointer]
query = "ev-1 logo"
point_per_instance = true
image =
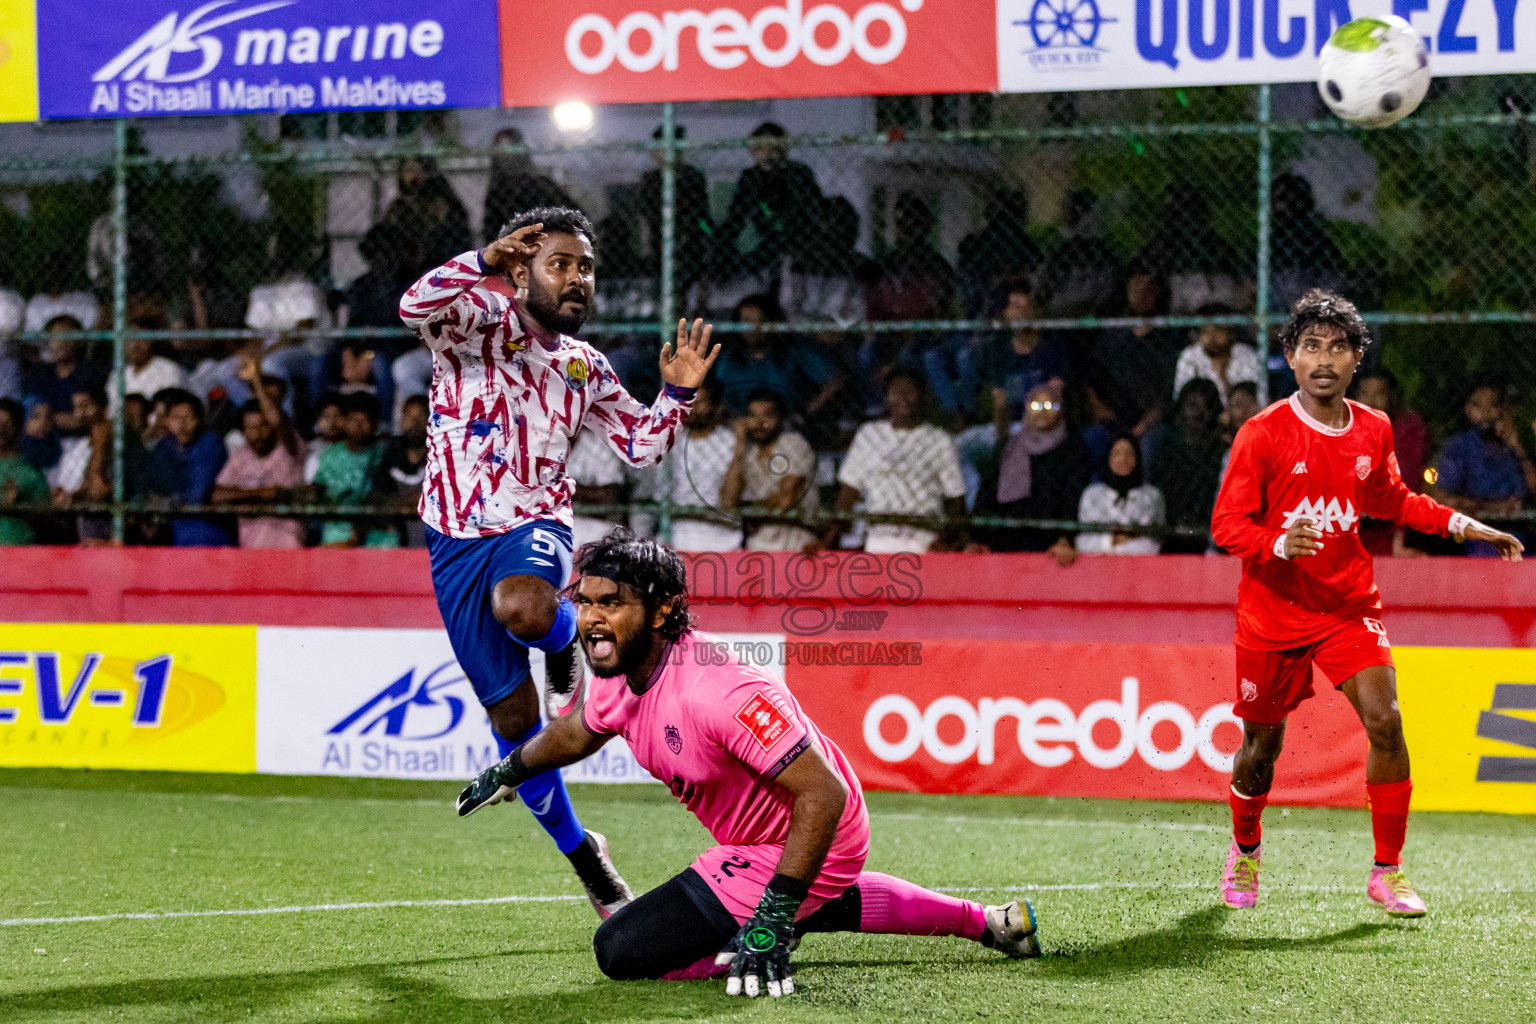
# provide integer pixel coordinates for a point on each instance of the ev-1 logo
(56, 703)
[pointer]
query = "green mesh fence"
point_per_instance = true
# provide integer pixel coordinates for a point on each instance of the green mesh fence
(944, 332)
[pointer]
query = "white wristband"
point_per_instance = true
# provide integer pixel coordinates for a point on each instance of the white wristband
(1458, 525)
(1279, 548)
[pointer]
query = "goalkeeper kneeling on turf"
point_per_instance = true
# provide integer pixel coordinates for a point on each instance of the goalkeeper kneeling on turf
(735, 748)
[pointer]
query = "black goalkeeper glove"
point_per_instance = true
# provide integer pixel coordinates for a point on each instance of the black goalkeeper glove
(760, 949)
(495, 784)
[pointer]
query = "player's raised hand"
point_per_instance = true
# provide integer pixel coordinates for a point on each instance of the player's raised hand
(685, 362)
(1510, 548)
(510, 250)
(1303, 538)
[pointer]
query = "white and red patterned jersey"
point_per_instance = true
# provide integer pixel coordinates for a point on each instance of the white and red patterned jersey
(1286, 466)
(506, 406)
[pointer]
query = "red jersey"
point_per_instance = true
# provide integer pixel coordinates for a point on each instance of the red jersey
(1286, 466)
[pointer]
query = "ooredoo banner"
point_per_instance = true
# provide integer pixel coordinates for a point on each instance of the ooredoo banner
(149, 57)
(1061, 45)
(179, 698)
(624, 51)
(1143, 721)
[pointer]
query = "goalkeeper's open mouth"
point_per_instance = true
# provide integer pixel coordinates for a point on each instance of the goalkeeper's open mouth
(600, 644)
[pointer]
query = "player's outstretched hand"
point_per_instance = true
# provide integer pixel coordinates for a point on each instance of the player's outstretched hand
(685, 362)
(760, 954)
(490, 787)
(1303, 538)
(510, 250)
(1510, 548)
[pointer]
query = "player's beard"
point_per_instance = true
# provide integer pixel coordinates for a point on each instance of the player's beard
(631, 654)
(544, 306)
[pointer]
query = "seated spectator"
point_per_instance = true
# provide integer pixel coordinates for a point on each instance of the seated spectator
(1201, 267)
(1121, 496)
(41, 444)
(411, 375)
(1041, 475)
(144, 373)
(1186, 464)
(827, 279)
(1379, 389)
(353, 473)
(20, 483)
(262, 471)
(778, 196)
(358, 364)
(1215, 355)
(901, 466)
(1484, 471)
(914, 282)
(195, 457)
(1242, 406)
(692, 221)
(57, 300)
(65, 372)
(599, 475)
(515, 185)
(762, 360)
(1129, 370)
(330, 422)
(407, 463)
(427, 215)
(1302, 255)
(12, 312)
(1022, 360)
(282, 309)
(1080, 275)
(698, 466)
(999, 252)
(771, 468)
(67, 477)
(373, 297)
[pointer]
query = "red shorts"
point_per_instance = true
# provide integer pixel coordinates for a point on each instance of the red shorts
(1272, 684)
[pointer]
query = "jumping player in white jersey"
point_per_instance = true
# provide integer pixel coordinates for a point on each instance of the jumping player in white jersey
(510, 391)
(734, 746)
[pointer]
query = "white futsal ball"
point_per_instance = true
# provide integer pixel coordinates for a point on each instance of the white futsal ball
(1374, 71)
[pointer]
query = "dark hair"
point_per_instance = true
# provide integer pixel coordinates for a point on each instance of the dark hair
(1384, 375)
(17, 411)
(331, 398)
(362, 401)
(172, 397)
(557, 220)
(767, 395)
(1243, 385)
(250, 405)
(763, 301)
(769, 130)
(1020, 284)
(715, 389)
(1203, 387)
(136, 399)
(678, 132)
(909, 375)
(420, 400)
(1321, 307)
(282, 384)
(655, 573)
(95, 392)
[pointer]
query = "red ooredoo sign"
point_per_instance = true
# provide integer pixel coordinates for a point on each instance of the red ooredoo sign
(1144, 721)
(625, 51)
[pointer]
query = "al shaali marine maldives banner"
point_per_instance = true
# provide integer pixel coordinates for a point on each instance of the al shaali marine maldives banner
(1051, 45)
(151, 57)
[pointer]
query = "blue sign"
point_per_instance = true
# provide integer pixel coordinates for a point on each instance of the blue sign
(139, 58)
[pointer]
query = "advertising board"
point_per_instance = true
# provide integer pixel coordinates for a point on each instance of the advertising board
(18, 61)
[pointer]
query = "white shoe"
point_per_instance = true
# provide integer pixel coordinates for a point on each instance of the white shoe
(1012, 929)
(609, 893)
(565, 680)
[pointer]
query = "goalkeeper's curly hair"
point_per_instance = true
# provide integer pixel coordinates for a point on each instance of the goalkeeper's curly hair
(1321, 307)
(653, 571)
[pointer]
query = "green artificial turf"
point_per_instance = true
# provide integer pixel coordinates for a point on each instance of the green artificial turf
(1126, 894)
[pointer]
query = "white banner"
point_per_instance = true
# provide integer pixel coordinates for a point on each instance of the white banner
(1060, 45)
(390, 703)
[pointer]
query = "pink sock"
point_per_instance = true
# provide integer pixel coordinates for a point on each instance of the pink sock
(893, 906)
(705, 968)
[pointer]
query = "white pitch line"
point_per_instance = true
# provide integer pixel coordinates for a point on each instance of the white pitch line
(1163, 826)
(260, 911)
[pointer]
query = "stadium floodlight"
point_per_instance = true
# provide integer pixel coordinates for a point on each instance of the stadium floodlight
(572, 116)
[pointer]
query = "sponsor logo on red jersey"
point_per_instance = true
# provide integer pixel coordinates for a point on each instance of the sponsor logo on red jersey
(1329, 516)
(761, 717)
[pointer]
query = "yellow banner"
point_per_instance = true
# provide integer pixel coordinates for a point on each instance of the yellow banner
(117, 696)
(1469, 715)
(18, 60)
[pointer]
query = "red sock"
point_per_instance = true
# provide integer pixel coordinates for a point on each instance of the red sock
(1389, 817)
(1246, 811)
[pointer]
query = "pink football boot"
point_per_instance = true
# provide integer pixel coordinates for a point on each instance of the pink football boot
(1389, 887)
(1240, 882)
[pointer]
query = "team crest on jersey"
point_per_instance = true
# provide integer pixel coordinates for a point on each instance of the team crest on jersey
(1363, 466)
(674, 739)
(1250, 690)
(576, 374)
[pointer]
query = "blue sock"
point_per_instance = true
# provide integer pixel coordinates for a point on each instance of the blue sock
(561, 633)
(546, 797)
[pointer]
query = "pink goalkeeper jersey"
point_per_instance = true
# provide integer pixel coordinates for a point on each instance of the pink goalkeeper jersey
(506, 406)
(719, 735)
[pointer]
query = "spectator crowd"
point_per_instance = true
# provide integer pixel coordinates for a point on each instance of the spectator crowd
(919, 439)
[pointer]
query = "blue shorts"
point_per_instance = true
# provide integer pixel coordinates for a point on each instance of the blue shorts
(465, 572)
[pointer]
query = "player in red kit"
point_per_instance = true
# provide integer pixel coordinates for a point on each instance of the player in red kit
(1301, 475)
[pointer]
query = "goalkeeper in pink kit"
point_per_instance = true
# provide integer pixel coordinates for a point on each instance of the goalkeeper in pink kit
(733, 745)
